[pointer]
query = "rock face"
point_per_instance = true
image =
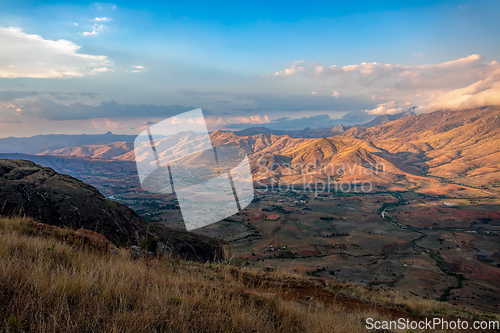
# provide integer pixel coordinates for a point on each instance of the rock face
(52, 198)
(48, 197)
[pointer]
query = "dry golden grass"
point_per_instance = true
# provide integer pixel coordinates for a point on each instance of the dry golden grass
(47, 285)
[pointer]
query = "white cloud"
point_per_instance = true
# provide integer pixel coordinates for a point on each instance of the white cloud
(466, 82)
(252, 119)
(480, 93)
(101, 70)
(335, 93)
(96, 30)
(32, 56)
(293, 69)
(90, 33)
(386, 108)
(97, 27)
(136, 69)
(314, 92)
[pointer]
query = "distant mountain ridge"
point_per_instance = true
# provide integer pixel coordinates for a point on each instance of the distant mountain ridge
(305, 133)
(382, 119)
(41, 143)
(324, 132)
(102, 151)
(108, 145)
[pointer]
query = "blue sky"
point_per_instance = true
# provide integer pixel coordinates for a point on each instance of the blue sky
(244, 63)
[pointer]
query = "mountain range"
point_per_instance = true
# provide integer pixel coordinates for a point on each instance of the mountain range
(305, 133)
(58, 144)
(443, 152)
(40, 143)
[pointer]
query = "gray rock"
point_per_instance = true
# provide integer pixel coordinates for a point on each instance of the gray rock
(268, 269)
(137, 252)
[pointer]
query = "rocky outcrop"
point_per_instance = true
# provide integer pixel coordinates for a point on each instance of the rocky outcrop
(28, 189)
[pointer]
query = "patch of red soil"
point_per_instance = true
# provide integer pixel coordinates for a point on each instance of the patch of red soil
(257, 217)
(391, 248)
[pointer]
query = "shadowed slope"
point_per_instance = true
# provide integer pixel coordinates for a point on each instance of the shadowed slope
(52, 198)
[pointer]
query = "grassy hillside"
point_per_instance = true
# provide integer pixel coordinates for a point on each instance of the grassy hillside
(49, 285)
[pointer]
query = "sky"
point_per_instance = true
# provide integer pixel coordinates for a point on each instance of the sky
(92, 67)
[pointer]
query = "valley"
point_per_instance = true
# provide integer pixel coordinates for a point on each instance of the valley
(427, 224)
(344, 237)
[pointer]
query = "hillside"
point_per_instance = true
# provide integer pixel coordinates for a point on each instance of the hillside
(101, 151)
(459, 146)
(49, 285)
(52, 198)
(424, 125)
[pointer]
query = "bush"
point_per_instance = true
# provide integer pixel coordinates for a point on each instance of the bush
(149, 244)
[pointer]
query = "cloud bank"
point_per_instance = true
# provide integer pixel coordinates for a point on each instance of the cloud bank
(462, 83)
(31, 56)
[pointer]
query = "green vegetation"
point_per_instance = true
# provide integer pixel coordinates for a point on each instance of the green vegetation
(149, 244)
